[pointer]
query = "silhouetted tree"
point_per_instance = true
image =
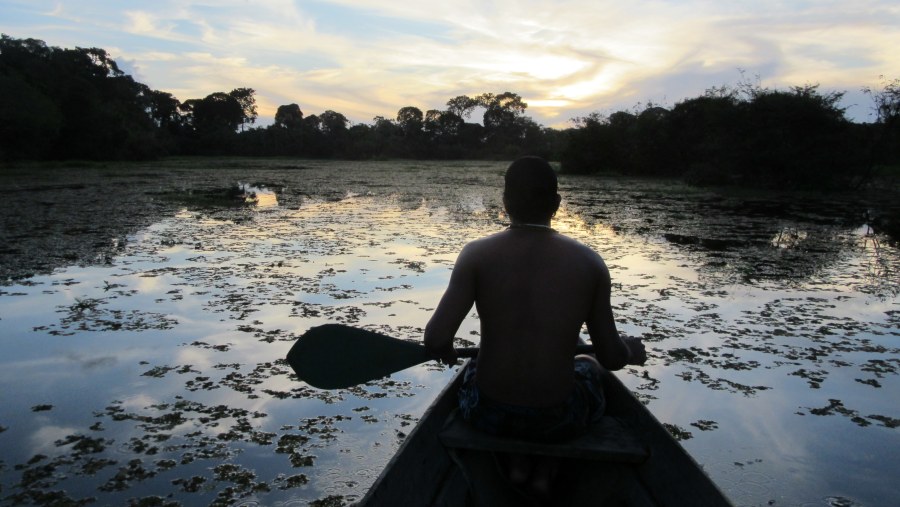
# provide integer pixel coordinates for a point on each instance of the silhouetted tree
(387, 139)
(797, 138)
(163, 108)
(31, 121)
(84, 106)
(212, 124)
(411, 123)
(244, 97)
(361, 144)
(289, 117)
(592, 145)
(217, 113)
(705, 134)
(504, 123)
(444, 131)
(652, 147)
(410, 119)
(462, 105)
(333, 124)
(285, 136)
(886, 131)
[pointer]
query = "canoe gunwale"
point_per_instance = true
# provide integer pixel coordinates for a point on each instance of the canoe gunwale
(392, 488)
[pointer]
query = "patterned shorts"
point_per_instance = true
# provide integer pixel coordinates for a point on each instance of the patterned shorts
(571, 418)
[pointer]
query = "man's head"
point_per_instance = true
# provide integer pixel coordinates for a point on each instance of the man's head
(530, 190)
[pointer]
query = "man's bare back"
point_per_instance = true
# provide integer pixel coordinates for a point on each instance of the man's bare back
(534, 289)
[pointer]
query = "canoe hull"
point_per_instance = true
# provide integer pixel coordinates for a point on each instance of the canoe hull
(422, 472)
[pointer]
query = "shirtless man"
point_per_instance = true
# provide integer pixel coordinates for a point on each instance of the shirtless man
(533, 289)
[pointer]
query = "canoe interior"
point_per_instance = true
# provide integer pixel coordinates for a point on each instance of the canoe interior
(644, 467)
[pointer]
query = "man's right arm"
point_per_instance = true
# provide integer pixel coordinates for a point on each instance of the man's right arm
(612, 350)
(455, 304)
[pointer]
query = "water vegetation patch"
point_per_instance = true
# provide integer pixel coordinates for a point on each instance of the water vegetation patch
(228, 197)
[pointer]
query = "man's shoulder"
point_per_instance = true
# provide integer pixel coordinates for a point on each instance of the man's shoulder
(564, 245)
(478, 247)
(577, 246)
(581, 256)
(484, 241)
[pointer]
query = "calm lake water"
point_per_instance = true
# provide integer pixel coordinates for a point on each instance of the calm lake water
(147, 368)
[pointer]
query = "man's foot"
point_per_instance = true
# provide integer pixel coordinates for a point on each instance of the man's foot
(519, 469)
(533, 475)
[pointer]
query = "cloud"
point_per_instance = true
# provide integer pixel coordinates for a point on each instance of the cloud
(565, 58)
(142, 23)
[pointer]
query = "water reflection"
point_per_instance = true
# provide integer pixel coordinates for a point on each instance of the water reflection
(789, 238)
(260, 196)
(160, 373)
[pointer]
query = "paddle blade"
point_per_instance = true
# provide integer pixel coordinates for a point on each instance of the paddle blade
(334, 356)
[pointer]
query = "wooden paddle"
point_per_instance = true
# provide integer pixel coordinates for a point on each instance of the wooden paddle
(335, 356)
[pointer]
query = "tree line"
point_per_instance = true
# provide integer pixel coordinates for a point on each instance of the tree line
(58, 104)
(434, 134)
(744, 134)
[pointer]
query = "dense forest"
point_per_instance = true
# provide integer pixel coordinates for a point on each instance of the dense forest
(748, 135)
(61, 104)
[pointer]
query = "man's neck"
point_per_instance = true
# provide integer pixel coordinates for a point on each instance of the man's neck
(543, 225)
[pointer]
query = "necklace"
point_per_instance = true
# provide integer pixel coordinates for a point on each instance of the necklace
(532, 226)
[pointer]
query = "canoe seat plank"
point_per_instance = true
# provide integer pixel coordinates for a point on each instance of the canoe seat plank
(608, 440)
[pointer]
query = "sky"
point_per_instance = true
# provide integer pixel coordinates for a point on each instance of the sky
(565, 58)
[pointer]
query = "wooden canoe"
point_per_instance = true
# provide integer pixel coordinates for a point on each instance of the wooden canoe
(628, 459)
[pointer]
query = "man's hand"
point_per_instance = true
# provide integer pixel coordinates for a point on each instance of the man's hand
(446, 355)
(637, 354)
